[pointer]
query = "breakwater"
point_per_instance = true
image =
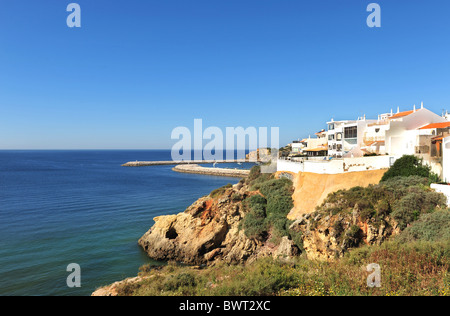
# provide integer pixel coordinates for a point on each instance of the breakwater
(223, 172)
(183, 162)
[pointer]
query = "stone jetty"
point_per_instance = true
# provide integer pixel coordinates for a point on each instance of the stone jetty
(183, 162)
(222, 172)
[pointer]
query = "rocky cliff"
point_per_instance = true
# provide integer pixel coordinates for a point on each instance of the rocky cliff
(211, 228)
(311, 189)
(208, 231)
(238, 224)
(365, 215)
(328, 237)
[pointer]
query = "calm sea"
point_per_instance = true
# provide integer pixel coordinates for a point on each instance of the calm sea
(62, 207)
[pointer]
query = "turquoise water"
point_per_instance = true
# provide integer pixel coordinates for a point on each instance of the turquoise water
(62, 207)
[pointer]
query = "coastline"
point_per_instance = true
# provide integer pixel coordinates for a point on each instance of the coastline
(223, 172)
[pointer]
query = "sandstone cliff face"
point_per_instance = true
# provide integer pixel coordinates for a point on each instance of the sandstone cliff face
(328, 237)
(208, 231)
(311, 189)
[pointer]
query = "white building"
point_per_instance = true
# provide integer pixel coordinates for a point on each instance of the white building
(446, 160)
(392, 134)
(297, 147)
(417, 132)
(311, 146)
(402, 135)
(345, 138)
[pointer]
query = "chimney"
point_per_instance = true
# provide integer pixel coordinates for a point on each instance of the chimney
(414, 108)
(421, 105)
(398, 109)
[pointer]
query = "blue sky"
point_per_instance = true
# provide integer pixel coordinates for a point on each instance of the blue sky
(137, 69)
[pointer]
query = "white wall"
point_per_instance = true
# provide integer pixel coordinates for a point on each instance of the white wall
(286, 165)
(324, 167)
(445, 189)
(446, 159)
(420, 118)
(335, 166)
(367, 163)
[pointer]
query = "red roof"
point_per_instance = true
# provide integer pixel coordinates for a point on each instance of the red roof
(436, 125)
(402, 114)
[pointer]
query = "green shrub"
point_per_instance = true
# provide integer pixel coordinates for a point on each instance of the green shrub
(279, 204)
(405, 198)
(276, 187)
(429, 227)
(256, 201)
(254, 225)
(410, 165)
(218, 192)
(255, 173)
(414, 203)
(267, 212)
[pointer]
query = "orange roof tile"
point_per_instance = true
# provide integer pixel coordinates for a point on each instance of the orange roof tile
(436, 125)
(401, 114)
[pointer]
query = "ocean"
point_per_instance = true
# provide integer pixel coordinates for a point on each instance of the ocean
(82, 206)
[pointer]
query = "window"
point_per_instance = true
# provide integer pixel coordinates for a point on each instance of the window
(331, 126)
(331, 137)
(339, 136)
(351, 132)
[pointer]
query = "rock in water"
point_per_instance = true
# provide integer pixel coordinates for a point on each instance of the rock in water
(207, 231)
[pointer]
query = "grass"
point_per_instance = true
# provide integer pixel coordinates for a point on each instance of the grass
(218, 192)
(418, 268)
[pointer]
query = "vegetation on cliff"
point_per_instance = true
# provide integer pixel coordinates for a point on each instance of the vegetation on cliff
(410, 165)
(403, 198)
(419, 268)
(235, 224)
(267, 211)
(400, 224)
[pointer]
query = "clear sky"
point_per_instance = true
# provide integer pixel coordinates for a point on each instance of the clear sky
(137, 69)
